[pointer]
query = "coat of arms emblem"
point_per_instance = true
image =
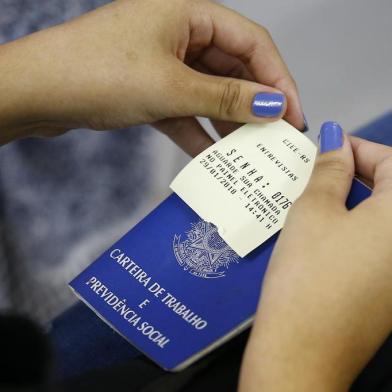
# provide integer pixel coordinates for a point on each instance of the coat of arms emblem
(204, 253)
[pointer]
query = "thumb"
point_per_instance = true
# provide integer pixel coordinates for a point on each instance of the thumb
(231, 99)
(334, 168)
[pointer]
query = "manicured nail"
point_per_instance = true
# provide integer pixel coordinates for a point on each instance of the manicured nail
(331, 136)
(268, 104)
(306, 125)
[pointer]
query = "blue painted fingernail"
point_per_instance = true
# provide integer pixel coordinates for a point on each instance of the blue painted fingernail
(268, 104)
(306, 125)
(331, 136)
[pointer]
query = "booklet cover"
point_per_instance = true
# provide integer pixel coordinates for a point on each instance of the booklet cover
(173, 287)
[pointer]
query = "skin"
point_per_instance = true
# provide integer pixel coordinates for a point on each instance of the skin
(143, 61)
(326, 303)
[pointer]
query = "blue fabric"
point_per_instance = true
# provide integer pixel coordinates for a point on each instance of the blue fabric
(378, 131)
(83, 342)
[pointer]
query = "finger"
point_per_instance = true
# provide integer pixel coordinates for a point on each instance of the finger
(221, 64)
(334, 168)
(224, 128)
(230, 68)
(367, 155)
(373, 162)
(366, 181)
(227, 99)
(253, 45)
(187, 133)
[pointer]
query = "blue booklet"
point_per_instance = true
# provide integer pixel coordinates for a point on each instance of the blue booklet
(173, 288)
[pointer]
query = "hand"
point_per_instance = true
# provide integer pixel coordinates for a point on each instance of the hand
(144, 61)
(326, 303)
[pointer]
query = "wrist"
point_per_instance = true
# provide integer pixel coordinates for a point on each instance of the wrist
(10, 107)
(30, 88)
(289, 352)
(273, 367)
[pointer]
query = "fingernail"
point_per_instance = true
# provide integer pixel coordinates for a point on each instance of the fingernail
(306, 125)
(331, 136)
(268, 104)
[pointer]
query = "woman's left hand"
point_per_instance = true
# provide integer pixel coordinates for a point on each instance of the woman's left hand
(146, 61)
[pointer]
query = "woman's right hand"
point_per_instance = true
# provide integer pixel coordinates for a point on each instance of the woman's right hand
(326, 303)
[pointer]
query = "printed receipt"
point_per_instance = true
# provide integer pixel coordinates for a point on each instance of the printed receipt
(246, 182)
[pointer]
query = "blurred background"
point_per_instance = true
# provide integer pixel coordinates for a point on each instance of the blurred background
(65, 200)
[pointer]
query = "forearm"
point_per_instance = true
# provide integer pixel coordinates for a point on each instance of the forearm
(13, 103)
(33, 84)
